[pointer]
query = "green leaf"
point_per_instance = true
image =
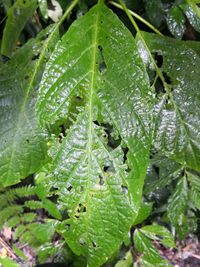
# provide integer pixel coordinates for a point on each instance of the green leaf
(155, 12)
(127, 261)
(150, 257)
(169, 170)
(43, 8)
(8, 262)
(158, 232)
(96, 68)
(176, 22)
(195, 189)
(178, 124)
(178, 202)
(192, 13)
(19, 252)
(36, 234)
(143, 213)
(52, 209)
(178, 210)
(23, 143)
(18, 15)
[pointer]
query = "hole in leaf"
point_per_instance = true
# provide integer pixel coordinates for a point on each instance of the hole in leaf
(111, 141)
(125, 149)
(34, 57)
(124, 189)
(159, 59)
(62, 129)
(27, 140)
(16, 12)
(101, 181)
(102, 67)
(94, 244)
(82, 188)
(81, 208)
(156, 169)
(69, 188)
(100, 48)
(26, 77)
(78, 99)
(159, 88)
(4, 59)
(77, 216)
(96, 122)
(167, 78)
(105, 168)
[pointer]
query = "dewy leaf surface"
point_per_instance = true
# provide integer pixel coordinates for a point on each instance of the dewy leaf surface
(23, 146)
(177, 131)
(97, 65)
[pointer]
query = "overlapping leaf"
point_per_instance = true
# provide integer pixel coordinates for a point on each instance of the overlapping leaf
(23, 144)
(97, 69)
(177, 132)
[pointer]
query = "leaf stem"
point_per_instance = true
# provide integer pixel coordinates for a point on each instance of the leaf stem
(137, 17)
(68, 10)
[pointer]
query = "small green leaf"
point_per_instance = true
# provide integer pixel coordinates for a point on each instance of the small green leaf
(192, 13)
(158, 232)
(43, 8)
(179, 213)
(52, 209)
(195, 189)
(155, 12)
(169, 170)
(178, 203)
(127, 261)
(176, 22)
(18, 15)
(8, 262)
(150, 255)
(143, 213)
(19, 252)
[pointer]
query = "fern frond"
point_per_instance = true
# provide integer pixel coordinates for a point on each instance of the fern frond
(9, 212)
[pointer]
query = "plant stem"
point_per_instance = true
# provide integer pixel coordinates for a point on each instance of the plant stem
(138, 17)
(68, 10)
(159, 72)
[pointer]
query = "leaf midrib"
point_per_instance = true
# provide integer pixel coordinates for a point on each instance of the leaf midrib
(90, 119)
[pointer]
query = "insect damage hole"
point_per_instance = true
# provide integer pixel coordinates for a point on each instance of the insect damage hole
(94, 244)
(124, 189)
(69, 188)
(101, 181)
(159, 59)
(102, 67)
(81, 208)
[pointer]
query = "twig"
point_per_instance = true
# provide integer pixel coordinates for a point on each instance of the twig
(8, 249)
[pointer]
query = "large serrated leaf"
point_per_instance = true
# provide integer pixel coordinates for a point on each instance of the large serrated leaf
(177, 131)
(23, 148)
(97, 64)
